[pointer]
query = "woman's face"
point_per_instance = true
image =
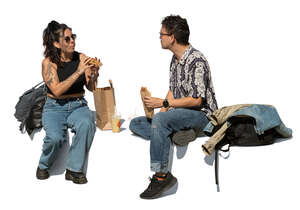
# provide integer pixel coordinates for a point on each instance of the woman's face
(67, 42)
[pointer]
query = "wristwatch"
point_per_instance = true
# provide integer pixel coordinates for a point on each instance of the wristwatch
(166, 103)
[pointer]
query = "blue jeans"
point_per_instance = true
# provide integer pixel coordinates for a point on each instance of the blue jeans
(159, 129)
(58, 116)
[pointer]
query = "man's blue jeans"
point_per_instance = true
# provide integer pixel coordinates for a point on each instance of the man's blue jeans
(58, 116)
(159, 129)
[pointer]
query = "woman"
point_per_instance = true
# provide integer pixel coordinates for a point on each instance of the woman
(65, 72)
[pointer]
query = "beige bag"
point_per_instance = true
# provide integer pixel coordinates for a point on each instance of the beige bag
(104, 99)
(149, 112)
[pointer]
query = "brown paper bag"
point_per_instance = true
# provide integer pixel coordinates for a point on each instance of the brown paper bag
(104, 99)
(149, 112)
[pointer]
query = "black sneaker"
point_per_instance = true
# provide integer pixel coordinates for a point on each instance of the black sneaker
(157, 188)
(76, 177)
(42, 174)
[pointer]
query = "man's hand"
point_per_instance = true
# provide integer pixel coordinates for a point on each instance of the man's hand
(152, 102)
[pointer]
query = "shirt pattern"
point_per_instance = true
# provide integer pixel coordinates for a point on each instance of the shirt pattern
(191, 77)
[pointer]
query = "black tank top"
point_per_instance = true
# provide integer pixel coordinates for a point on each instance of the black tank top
(66, 70)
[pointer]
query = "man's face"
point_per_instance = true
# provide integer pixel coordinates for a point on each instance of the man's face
(67, 41)
(166, 39)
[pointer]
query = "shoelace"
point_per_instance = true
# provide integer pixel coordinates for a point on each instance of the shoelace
(153, 181)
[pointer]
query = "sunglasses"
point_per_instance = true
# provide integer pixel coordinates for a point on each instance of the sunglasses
(68, 38)
(163, 34)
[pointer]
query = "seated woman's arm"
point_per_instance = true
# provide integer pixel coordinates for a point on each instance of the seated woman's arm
(49, 73)
(91, 76)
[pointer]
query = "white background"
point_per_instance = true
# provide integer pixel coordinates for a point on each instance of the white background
(253, 51)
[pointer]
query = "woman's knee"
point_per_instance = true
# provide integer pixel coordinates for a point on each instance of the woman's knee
(86, 124)
(55, 138)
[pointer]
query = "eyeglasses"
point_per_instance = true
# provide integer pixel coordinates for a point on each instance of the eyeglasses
(68, 38)
(163, 34)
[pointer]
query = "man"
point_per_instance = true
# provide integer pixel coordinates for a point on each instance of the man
(190, 97)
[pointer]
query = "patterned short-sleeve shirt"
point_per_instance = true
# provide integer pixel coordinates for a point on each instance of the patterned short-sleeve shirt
(191, 77)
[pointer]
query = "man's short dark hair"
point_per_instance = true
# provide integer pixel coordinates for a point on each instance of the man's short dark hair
(178, 26)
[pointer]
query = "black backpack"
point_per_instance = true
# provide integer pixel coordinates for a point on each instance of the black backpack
(242, 133)
(30, 107)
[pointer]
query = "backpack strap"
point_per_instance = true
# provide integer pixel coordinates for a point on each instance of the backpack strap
(224, 150)
(22, 127)
(217, 169)
(217, 149)
(38, 84)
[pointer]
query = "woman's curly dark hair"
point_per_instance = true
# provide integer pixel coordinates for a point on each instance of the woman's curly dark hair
(51, 34)
(177, 26)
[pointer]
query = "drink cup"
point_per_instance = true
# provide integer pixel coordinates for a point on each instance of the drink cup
(116, 123)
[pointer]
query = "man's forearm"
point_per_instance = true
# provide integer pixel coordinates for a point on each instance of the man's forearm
(181, 102)
(185, 102)
(169, 96)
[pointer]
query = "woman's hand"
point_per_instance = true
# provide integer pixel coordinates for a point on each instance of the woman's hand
(95, 69)
(84, 64)
(92, 75)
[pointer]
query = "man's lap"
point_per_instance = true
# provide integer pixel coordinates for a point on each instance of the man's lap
(179, 118)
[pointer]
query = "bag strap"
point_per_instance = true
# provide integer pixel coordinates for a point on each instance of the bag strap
(38, 84)
(225, 150)
(217, 149)
(217, 169)
(22, 127)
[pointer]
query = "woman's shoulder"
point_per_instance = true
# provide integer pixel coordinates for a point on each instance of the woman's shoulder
(81, 55)
(47, 62)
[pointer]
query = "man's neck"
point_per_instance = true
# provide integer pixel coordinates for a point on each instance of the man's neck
(179, 50)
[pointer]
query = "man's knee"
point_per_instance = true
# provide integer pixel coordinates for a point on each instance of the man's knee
(137, 123)
(159, 119)
(133, 124)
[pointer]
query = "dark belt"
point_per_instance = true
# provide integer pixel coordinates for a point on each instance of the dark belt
(69, 99)
(66, 100)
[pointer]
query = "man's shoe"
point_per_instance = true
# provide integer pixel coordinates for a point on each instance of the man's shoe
(184, 137)
(157, 188)
(76, 177)
(42, 174)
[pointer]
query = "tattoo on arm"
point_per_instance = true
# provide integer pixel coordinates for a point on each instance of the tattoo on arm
(73, 77)
(49, 74)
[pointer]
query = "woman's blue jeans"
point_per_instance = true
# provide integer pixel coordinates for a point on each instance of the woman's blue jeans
(159, 129)
(58, 116)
